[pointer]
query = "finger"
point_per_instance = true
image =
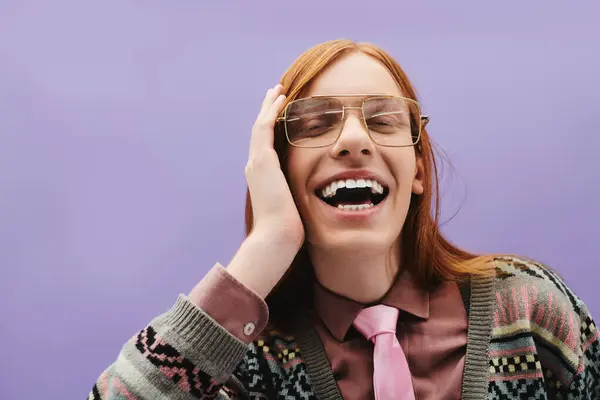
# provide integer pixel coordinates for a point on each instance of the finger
(265, 102)
(269, 98)
(273, 112)
(262, 132)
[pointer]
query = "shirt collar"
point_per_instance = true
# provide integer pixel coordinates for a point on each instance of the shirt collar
(338, 312)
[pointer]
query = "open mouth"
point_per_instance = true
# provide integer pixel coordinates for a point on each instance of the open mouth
(353, 194)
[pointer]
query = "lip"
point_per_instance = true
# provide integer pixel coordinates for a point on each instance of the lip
(352, 174)
(355, 216)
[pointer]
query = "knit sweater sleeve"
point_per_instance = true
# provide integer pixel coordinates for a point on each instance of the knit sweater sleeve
(539, 314)
(181, 354)
(192, 351)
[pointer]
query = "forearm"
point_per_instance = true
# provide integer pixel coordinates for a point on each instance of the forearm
(262, 260)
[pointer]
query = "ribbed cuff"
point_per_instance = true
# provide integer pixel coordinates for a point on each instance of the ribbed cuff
(217, 351)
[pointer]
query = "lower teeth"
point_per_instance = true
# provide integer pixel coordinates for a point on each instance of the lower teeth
(354, 207)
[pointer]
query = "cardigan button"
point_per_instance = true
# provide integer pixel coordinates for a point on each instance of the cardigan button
(249, 328)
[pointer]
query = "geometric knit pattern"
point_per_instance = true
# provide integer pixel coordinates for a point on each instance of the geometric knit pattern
(544, 345)
(169, 364)
(175, 367)
(273, 369)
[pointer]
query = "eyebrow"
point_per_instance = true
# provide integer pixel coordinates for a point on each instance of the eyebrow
(356, 95)
(360, 97)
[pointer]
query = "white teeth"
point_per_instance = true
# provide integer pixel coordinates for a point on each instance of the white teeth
(355, 207)
(331, 189)
(377, 188)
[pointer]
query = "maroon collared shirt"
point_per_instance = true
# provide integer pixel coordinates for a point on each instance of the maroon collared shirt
(432, 330)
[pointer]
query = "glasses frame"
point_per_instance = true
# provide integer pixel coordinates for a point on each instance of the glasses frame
(423, 119)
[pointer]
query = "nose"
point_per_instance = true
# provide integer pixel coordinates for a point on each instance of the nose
(354, 142)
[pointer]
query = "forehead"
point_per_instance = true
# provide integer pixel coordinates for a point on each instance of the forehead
(355, 73)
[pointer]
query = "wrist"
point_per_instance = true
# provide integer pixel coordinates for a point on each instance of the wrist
(262, 260)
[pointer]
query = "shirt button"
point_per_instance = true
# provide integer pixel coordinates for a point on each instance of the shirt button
(249, 328)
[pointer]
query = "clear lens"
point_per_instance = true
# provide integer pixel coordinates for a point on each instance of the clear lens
(392, 121)
(314, 122)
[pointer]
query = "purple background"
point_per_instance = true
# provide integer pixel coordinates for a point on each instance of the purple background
(124, 129)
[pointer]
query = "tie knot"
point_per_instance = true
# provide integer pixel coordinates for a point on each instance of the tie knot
(376, 320)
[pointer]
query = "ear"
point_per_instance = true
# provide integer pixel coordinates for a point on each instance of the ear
(417, 185)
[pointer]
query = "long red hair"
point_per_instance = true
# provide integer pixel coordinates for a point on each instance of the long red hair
(430, 257)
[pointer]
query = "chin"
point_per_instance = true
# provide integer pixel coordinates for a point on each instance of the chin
(351, 241)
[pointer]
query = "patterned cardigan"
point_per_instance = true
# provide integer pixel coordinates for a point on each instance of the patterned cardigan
(529, 337)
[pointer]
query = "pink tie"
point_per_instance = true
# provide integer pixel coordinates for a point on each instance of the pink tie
(391, 376)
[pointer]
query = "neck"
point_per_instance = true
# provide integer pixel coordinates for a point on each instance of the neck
(357, 275)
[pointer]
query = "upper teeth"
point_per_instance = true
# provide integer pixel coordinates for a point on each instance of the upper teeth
(331, 189)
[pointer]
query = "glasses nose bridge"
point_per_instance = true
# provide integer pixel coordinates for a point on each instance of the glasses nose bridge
(344, 108)
(361, 116)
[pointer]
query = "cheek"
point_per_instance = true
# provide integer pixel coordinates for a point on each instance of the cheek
(296, 177)
(403, 165)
